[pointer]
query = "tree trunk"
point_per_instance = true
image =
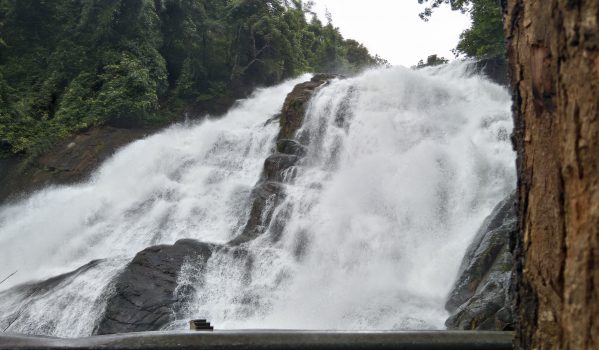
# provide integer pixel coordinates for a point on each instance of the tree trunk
(553, 51)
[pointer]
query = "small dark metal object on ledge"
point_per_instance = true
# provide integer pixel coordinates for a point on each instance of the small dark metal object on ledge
(200, 325)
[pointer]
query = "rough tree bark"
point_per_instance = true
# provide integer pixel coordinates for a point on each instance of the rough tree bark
(553, 51)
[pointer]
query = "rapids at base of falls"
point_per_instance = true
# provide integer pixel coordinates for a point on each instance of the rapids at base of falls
(372, 189)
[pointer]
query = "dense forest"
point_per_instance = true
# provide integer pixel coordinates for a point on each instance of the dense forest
(70, 65)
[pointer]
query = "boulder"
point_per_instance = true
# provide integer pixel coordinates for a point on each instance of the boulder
(145, 294)
(481, 298)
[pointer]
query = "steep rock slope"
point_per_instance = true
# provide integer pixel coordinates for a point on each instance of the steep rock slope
(269, 190)
(481, 297)
(28, 293)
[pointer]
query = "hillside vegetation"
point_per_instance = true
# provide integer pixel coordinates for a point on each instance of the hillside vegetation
(68, 65)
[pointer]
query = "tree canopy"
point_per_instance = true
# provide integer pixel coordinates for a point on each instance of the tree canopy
(485, 38)
(456, 5)
(432, 60)
(67, 65)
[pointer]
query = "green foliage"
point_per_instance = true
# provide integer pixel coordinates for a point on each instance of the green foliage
(128, 93)
(456, 5)
(125, 94)
(485, 38)
(67, 65)
(432, 60)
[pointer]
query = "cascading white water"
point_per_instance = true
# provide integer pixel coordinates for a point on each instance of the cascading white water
(401, 169)
(190, 181)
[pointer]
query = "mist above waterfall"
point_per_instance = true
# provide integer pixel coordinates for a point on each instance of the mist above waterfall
(401, 168)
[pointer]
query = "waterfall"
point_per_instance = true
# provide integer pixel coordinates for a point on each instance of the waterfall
(190, 181)
(401, 168)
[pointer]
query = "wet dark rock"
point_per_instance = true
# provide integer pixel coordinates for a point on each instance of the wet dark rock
(145, 293)
(495, 68)
(301, 244)
(481, 298)
(273, 119)
(30, 290)
(345, 111)
(24, 295)
(279, 167)
(265, 198)
(296, 103)
(281, 215)
(292, 147)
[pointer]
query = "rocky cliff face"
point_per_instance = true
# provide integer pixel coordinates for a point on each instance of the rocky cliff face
(481, 298)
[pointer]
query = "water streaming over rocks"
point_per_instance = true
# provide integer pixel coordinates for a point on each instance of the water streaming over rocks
(392, 174)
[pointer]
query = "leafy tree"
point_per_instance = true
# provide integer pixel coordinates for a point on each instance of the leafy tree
(432, 60)
(456, 5)
(485, 38)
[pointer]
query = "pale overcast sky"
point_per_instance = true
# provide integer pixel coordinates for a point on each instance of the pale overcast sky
(392, 28)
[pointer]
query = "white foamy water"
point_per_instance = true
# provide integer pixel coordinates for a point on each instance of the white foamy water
(190, 181)
(402, 167)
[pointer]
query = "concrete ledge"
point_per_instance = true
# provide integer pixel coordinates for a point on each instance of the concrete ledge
(270, 339)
